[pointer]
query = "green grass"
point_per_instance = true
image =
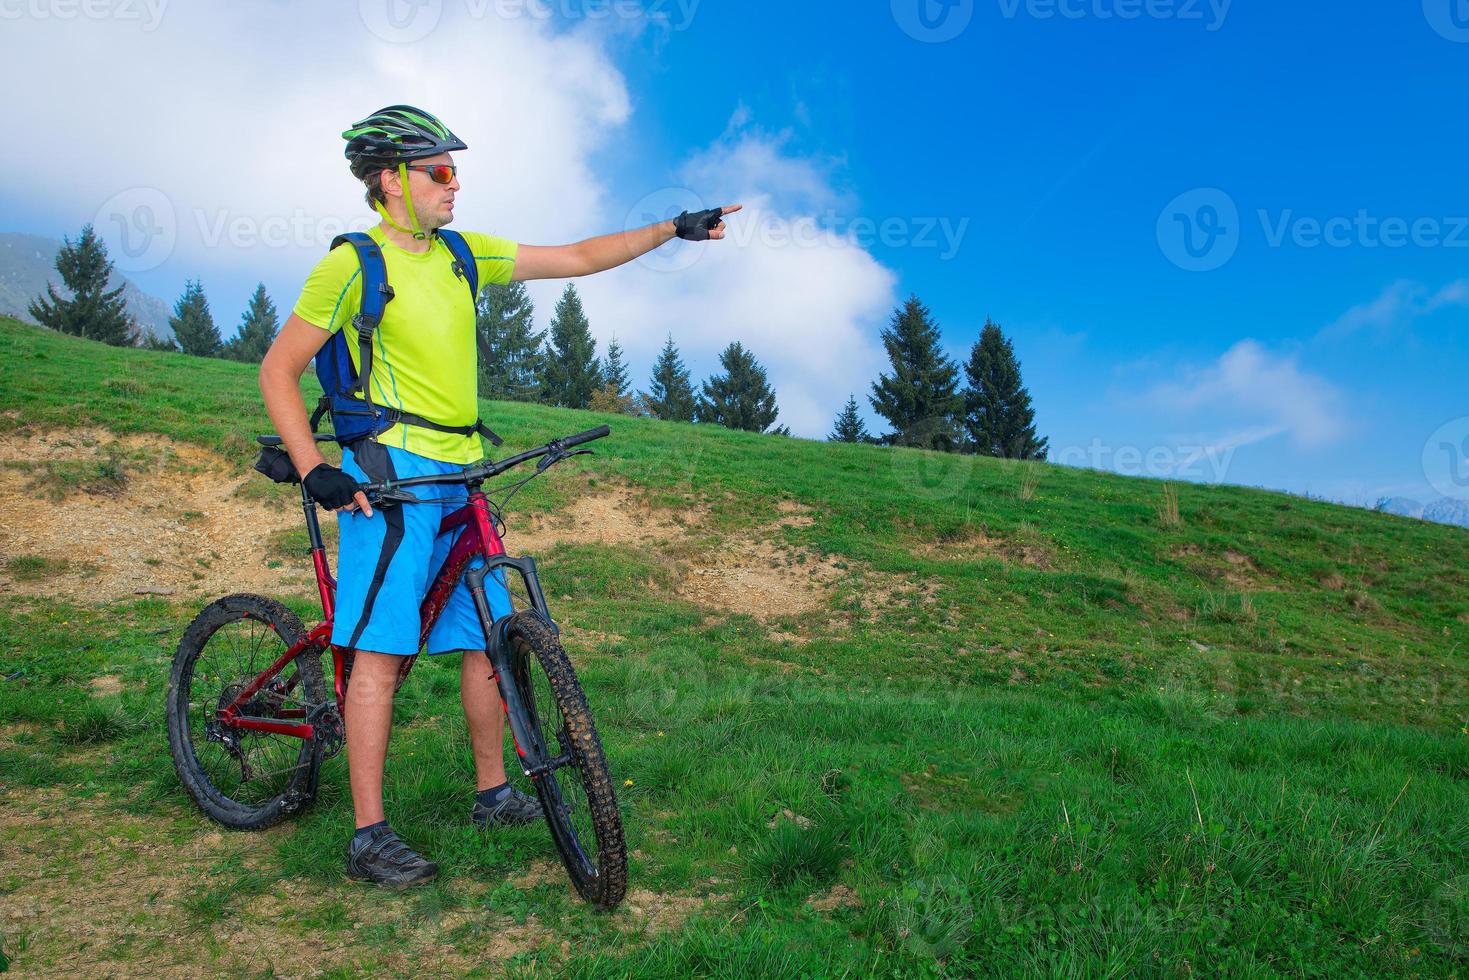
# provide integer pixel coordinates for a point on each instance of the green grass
(1043, 726)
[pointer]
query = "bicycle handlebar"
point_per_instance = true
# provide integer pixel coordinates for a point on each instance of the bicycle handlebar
(555, 449)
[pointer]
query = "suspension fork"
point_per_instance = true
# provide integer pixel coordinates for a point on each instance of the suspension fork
(528, 744)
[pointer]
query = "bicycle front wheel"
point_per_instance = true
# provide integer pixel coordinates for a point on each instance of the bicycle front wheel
(576, 796)
(245, 779)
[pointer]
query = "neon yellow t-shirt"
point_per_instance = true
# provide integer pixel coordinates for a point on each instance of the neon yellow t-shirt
(424, 354)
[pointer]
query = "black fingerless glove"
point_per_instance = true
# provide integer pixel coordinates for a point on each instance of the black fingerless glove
(330, 486)
(695, 226)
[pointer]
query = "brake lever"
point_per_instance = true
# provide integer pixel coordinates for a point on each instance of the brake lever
(550, 460)
(387, 498)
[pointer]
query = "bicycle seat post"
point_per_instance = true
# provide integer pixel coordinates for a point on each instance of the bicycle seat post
(325, 583)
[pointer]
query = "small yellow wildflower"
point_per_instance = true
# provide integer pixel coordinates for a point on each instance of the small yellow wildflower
(627, 782)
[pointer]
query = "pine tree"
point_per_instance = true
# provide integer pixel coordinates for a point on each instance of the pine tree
(997, 412)
(258, 328)
(192, 323)
(614, 371)
(919, 399)
(741, 397)
(572, 371)
(94, 311)
(849, 426)
(509, 346)
(670, 396)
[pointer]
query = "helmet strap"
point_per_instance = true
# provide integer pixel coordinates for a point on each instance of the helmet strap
(417, 232)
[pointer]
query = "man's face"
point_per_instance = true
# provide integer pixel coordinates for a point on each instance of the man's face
(432, 202)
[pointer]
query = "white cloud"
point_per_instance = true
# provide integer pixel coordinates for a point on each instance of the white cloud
(1258, 395)
(1396, 308)
(235, 114)
(807, 301)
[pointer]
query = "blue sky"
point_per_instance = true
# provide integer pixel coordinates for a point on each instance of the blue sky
(1041, 167)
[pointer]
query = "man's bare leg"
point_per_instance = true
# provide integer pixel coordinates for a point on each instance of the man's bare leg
(485, 714)
(369, 722)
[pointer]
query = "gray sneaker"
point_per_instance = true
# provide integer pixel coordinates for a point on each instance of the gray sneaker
(384, 859)
(513, 810)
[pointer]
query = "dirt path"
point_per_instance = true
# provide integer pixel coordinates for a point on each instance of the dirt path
(92, 517)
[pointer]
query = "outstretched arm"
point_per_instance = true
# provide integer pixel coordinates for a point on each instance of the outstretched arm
(607, 251)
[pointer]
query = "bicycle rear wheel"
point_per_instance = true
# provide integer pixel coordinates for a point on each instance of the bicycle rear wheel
(577, 796)
(245, 779)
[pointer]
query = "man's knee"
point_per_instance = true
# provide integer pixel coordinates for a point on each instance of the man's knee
(374, 678)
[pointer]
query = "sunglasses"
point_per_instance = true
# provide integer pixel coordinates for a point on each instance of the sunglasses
(439, 173)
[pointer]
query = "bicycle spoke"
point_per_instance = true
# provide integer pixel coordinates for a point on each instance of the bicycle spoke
(255, 766)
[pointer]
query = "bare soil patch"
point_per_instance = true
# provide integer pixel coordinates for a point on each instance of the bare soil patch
(979, 545)
(657, 912)
(98, 893)
(840, 896)
(605, 514)
(1232, 568)
(171, 519)
(762, 579)
(172, 525)
(105, 686)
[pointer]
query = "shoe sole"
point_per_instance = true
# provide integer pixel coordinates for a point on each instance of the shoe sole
(395, 886)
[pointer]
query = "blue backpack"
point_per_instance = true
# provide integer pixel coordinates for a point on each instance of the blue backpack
(346, 391)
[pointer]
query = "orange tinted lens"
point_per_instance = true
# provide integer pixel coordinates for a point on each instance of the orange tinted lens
(442, 174)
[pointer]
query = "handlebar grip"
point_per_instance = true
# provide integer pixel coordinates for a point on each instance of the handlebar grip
(586, 436)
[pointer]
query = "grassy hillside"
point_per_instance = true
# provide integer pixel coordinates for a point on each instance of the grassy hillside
(1029, 721)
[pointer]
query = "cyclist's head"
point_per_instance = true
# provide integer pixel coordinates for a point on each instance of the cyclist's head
(380, 149)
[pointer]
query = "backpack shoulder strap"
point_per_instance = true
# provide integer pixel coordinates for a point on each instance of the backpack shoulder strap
(375, 296)
(464, 265)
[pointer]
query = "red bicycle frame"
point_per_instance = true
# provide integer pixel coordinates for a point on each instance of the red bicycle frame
(477, 538)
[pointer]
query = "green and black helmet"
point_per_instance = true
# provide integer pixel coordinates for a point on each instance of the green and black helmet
(396, 134)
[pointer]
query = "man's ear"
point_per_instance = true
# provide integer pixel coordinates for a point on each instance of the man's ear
(390, 182)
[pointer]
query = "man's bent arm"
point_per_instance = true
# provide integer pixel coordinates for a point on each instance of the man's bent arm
(280, 386)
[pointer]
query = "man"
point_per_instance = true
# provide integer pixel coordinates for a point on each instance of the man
(423, 365)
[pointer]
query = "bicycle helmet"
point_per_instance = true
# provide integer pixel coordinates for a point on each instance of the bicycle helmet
(395, 135)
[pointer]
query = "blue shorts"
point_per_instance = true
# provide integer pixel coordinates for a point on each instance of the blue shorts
(386, 562)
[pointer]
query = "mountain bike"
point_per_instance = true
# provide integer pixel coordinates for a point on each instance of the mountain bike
(251, 718)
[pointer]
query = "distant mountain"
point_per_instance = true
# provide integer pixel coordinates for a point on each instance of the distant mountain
(1446, 510)
(1401, 506)
(28, 263)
